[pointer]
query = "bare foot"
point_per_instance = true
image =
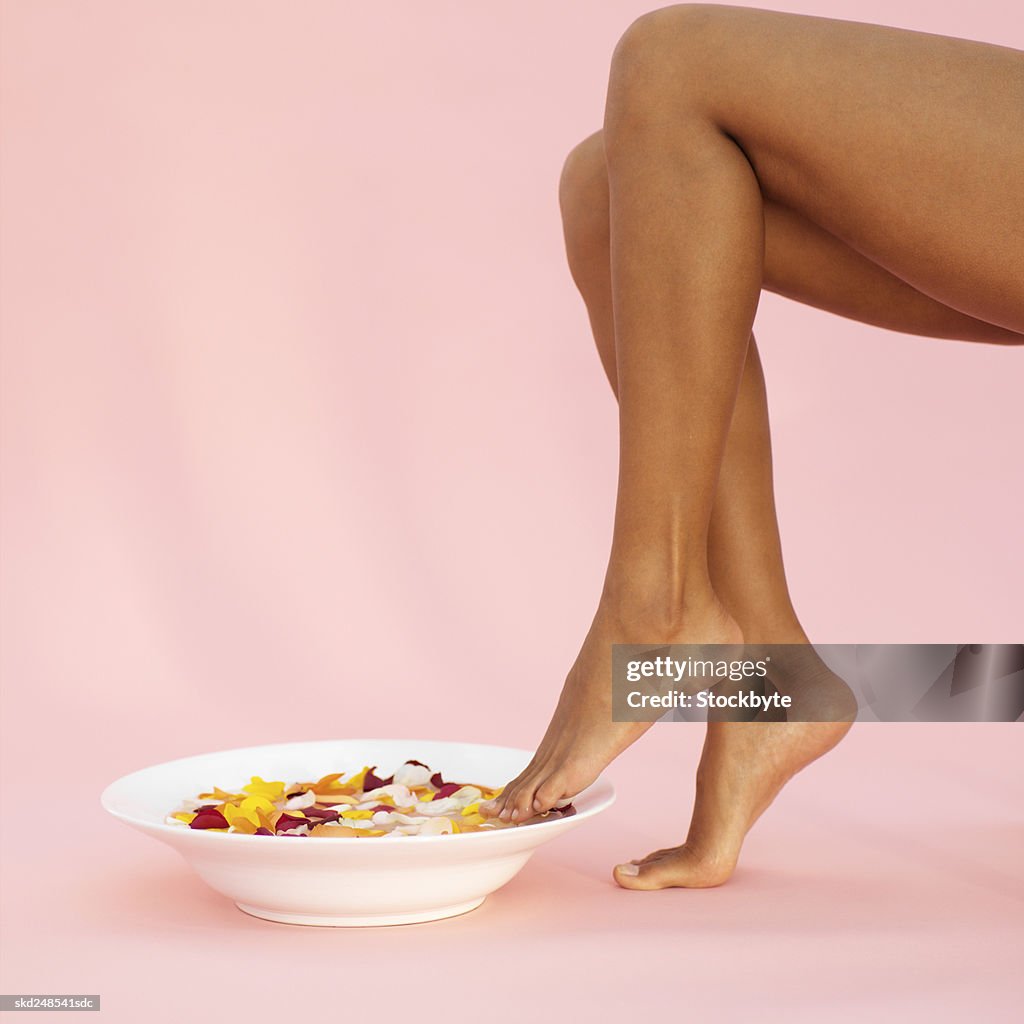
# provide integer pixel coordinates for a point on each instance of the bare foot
(742, 769)
(582, 739)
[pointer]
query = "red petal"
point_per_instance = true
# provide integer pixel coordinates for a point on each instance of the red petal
(287, 821)
(447, 789)
(419, 764)
(436, 781)
(323, 813)
(209, 818)
(371, 781)
(382, 807)
(261, 831)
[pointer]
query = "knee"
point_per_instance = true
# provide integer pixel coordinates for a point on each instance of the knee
(583, 199)
(660, 65)
(667, 39)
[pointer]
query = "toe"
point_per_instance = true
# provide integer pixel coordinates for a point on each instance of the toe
(494, 808)
(679, 867)
(548, 793)
(520, 804)
(491, 808)
(645, 875)
(504, 804)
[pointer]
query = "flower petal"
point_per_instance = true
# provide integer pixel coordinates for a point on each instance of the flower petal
(209, 819)
(257, 787)
(287, 822)
(372, 781)
(447, 789)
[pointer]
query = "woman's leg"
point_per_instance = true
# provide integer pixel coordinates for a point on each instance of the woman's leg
(686, 253)
(744, 551)
(893, 142)
(807, 264)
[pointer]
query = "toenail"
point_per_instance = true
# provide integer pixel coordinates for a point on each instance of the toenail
(628, 869)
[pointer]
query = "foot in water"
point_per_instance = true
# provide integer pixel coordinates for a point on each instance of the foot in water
(582, 739)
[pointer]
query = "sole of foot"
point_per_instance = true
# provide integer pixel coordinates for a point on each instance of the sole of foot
(743, 768)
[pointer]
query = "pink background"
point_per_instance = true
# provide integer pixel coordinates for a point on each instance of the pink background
(300, 414)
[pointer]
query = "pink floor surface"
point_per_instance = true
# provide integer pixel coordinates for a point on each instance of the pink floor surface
(886, 885)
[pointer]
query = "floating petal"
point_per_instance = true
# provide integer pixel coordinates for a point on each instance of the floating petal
(413, 774)
(371, 780)
(257, 787)
(287, 822)
(209, 819)
(356, 782)
(447, 790)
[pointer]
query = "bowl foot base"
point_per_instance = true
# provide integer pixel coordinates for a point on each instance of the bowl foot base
(360, 921)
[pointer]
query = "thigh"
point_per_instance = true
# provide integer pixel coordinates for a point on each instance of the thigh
(804, 262)
(906, 146)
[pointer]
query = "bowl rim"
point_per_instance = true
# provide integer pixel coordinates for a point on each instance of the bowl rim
(604, 793)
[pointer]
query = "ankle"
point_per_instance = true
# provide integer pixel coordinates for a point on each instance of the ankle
(653, 612)
(761, 629)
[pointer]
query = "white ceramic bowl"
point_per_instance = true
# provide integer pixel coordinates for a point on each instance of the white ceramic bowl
(320, 881)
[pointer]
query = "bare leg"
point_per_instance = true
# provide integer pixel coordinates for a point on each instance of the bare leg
(699, 133)
(686, 200)
(745, 557)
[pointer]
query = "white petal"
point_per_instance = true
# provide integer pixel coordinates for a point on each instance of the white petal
(400, 794)
(437, 807)
(437, 827)
(412, 775)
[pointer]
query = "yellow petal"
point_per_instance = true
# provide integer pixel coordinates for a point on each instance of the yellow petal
(470, 809)
(356, 815)
(254, 803)
(184, 816)
(257, 787)
(356, 782)
(236, 814)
